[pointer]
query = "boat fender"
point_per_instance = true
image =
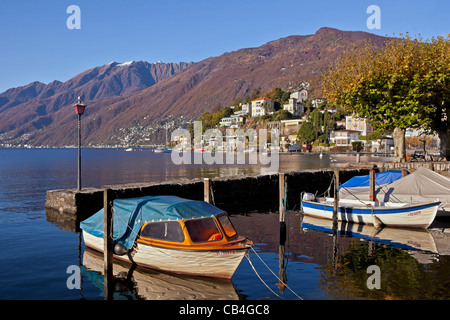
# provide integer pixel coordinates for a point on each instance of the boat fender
(120, 249)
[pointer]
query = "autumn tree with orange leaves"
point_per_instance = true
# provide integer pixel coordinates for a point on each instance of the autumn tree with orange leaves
(405, 84)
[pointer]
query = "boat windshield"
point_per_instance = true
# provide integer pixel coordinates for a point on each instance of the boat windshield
(168, 231)
(202, 230)
(227, 226)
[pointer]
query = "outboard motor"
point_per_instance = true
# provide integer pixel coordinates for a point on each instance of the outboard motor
(305, 196)
(308, 197)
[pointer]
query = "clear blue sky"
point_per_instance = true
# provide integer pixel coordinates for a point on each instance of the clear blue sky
(36, 45)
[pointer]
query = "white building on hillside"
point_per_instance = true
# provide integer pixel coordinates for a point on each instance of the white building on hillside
(301, 95)
(294, 107)
(233, 121)
(344, 138)
(359, 124)
(262, 106)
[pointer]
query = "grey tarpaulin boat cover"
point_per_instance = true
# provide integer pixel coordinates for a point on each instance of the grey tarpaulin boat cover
(423, 185)
(130, 214)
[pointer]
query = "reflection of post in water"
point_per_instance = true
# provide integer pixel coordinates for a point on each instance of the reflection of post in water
(282, 264)
(372, 243)
(282, 208)
(335, 218)
(80, 265)
(282, 212)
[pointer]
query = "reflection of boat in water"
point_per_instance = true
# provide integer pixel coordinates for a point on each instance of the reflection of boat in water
(355, 204)
(415, 239)
(171, 234)
(159, 286)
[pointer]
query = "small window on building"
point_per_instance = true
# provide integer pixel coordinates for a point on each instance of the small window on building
(201, 230)
(167, 230)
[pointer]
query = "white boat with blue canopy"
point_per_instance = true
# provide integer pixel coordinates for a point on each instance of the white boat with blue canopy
(391, 214)
(354, 209)
(421, 186)
(172, 234)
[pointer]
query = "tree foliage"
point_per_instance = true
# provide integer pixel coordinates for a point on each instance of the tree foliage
(405, 84)
(279, 96)
(211, 120)
(306, 133)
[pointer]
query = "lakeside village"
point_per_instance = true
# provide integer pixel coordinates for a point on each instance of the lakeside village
(304, 125)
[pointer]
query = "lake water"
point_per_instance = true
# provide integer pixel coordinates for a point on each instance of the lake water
(315, 263)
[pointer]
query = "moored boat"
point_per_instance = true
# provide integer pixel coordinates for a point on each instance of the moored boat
(394, 214)
(171, 234)
(163, 150)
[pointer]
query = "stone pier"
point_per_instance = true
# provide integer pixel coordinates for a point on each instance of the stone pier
(233, 194)
(240, 194)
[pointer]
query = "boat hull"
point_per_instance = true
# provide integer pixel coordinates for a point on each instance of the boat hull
(412, 216)
(220, 263)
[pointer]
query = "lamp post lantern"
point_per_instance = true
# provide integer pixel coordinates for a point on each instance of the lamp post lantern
(79, 109)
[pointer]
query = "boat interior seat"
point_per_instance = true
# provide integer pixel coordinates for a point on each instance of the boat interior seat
(215, 236)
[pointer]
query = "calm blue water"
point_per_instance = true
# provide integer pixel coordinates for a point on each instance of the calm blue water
(36, 252)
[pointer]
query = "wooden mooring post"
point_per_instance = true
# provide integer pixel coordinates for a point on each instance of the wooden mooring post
(207, 196)
(282, 192)
(372, 195)
(108, 244)
(336, 197)
(404, 172)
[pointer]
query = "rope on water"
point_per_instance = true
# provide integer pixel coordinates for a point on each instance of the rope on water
(281, 281)
(256, 272)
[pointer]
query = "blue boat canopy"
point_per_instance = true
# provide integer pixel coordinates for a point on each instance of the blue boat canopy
(381, 178)
(130, 214)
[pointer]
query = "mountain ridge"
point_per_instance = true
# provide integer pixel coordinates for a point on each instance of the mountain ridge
(138, 117)
(36, 105)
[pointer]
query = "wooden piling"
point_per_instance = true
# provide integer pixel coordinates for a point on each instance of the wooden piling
(404, 172)
(282, 185)
(108, 244)
(372, 195)
(336, 198)
(207, 190)
(282, 192)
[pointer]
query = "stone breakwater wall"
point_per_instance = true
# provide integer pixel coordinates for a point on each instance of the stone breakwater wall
(241, 194)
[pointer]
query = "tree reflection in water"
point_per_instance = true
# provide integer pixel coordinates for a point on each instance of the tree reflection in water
(402, 276)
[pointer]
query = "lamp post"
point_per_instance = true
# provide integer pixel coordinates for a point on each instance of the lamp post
(79, 109)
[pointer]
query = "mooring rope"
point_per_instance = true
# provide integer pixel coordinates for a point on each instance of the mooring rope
(281, 281)
(247, 256)
(257, 274)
